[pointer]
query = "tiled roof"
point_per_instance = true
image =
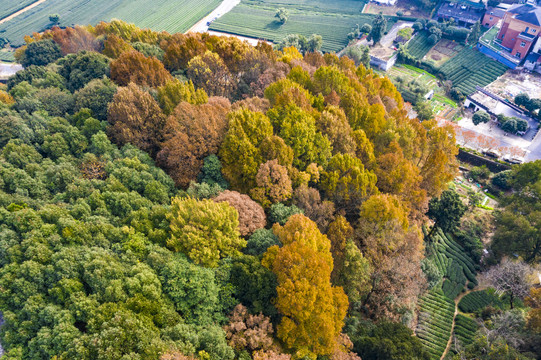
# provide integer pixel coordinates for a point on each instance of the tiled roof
(527, 13)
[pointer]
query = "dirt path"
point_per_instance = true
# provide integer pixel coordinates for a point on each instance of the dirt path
(457, 300)
(17, 13)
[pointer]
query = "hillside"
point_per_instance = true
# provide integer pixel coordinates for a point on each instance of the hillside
(180, 197)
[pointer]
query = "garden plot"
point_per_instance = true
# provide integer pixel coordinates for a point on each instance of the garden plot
(444, 50)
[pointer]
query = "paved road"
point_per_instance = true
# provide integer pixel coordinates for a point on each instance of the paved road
(223, 8)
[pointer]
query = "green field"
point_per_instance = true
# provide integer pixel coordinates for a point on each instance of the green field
(435, 321)
(333, 20)
(479, 300)
(168, 15)
(470, 68)
(419, 46)
(8, 7)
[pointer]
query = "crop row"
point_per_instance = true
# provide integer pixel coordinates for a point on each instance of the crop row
(419, 46)
(478, 300)
(172, 16)
(256, 19)
(435, 320)
(11, 6)
(465, 329)
(470, 68)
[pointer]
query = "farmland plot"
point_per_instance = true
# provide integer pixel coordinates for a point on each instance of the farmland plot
(166, 15)
(470, 68)
(435, 322)
(419, 45)
(9, 7)
(333, 20)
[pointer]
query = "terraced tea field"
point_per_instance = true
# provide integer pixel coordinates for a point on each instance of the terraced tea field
(167, 15)
(333, 20)
(470, 68)
(435, 322)
(9, 7)
(419, 46)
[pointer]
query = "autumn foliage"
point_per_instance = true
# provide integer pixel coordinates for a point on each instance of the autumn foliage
(251, 214)
(313, 310)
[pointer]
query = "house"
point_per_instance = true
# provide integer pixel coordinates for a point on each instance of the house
(492, 16)
(464, 12)
(520, 29)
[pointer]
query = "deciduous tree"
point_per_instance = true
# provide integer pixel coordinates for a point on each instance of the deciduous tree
(136, 118)
(132, 66)
(251, 214)
(313, 310)
(204, 230)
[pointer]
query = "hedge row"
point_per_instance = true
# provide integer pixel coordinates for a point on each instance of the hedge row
(479, 300)
(435, 321)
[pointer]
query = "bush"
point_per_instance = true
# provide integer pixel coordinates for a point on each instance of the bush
(502, 179)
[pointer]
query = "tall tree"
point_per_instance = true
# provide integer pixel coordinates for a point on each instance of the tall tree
(446, 211)
(379, 25)
(136, 118)
(313, 310)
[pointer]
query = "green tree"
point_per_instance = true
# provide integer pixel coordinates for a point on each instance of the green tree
(475, 32)
(379, 25)
(424, 110)
(480, 117)
(282, 14)
(204, 230)
(446, 211)
(79, 69)
(41, 53)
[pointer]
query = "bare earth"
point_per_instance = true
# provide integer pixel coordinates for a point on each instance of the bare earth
(513, 83)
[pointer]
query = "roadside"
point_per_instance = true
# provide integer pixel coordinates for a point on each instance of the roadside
(17, 13)
(251, 41)
(225, 7)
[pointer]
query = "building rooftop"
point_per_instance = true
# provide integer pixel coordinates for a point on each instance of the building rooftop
(460, 12)
(496, 12)
(527, 13)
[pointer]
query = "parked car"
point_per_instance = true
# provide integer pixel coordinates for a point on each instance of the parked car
(492, 153)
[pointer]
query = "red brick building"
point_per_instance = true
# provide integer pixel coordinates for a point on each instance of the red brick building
(492, 16)
(520, 29)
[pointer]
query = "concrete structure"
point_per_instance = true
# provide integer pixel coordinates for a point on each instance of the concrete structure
(520, 29)
(464, 12)
(8, 70)
(385, 2)
(492, 16)
(495, 105)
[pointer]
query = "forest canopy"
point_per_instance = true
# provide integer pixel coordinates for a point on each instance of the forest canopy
(195, 197)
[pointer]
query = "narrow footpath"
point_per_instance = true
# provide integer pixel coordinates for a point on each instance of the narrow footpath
(457, 300)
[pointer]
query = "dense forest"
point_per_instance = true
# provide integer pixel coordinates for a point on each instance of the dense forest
(182, 197)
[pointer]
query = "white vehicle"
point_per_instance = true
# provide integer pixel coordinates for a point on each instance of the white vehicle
(492, 153)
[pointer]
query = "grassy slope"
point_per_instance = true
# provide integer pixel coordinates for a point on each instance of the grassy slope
(168, 15)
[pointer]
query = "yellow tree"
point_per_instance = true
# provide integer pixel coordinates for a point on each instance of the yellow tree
(313, 310)
(204, 230)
